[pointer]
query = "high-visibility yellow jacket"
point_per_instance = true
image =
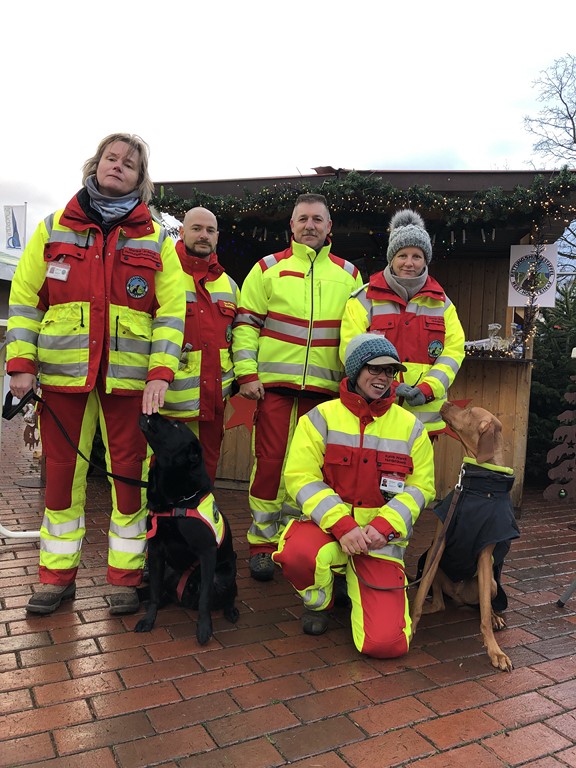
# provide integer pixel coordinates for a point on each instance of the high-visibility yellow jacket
(287, 330)
(205, 374)
(85, 303)
(426, 332)
(352, 463)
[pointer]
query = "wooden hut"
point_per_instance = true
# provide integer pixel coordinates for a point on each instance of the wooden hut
(473, 217)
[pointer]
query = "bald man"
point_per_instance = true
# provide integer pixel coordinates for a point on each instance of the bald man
(203, 382)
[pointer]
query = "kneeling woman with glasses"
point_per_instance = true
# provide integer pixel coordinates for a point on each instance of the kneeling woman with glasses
(361, 469)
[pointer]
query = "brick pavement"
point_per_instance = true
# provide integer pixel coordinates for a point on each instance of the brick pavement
(79, 688)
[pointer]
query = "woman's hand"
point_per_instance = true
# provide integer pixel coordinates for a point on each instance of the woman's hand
(21, 383)
(355, 542)
(376, 539)
(254, 390)
(153, 396)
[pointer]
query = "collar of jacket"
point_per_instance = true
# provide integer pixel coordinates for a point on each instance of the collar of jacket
(78, 216)
(309, 255)
(361, 407)
(199, 268)
(379, 289)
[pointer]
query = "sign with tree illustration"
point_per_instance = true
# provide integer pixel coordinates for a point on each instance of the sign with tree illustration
(532, 275)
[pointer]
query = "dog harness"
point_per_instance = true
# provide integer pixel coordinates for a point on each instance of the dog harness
(206, 511)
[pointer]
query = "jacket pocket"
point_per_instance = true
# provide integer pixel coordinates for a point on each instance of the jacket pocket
(140, 257)
(63, 251)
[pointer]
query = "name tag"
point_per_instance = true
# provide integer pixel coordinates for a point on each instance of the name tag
(391, 484)
(58, 270)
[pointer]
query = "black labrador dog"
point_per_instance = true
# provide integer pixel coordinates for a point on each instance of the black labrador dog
(190, 551)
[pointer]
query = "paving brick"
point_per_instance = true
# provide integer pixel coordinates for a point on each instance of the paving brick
(170, 717)
(103, 733)
(103, 758)
(143, 752)
(470, 755)
(558, 670)
(218, 680)
(15, 701)
(79, 688)
(457, 697)
(563, 693)
(256, 754)
(381, 718)
(61, 652)
(17, 752)
(123, 702)
(528, 743)
(286, 665)
(44, 719)
(8, 661)
(317, 706)
(564, 724)
(160, 670)
(26, 678)
(225, 657)
(260, 693)
(97, 629)
(249, 725)
(105, 662)
(395, 686)
(326, 760)
(452, 730)
(523, 709)
(568, 757)
(398, 747)
(315, 738)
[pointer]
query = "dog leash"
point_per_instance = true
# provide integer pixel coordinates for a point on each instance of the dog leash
(9, 411)
(435, 552)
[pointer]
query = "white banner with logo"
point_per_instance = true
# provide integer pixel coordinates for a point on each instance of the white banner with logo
(532, 272)
(15, 216)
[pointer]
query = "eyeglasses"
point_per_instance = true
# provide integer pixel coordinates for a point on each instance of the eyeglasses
(387, 370)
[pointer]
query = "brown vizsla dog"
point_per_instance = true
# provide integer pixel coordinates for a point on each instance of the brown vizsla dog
(469, 579)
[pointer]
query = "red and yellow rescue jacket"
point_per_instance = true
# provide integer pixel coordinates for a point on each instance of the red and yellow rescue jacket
(205, 375)
(84, 304)
(425, 330)
(287, 330)
(345, 456)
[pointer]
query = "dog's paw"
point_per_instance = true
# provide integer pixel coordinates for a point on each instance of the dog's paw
(232, 614)
(144, 625)
(501, 661)
(498, 622)
(203, 631)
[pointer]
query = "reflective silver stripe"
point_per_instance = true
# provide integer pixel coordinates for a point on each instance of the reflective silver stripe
(247, 318)
(309, 603)
(226, 390)
(270, 533)
(423, 311)
(59, 547)
(426, 417)
(74, 370)
(22, 310)
(191, 297)
(84, 238)
(222, 296)
(324, 506)
(343, 438)
(140, 244)
(358, 292)
(137, 372)
(318, 422)
(166, 321)
(185, 405)
(60, 529)
(324, 373)
(390, 550)
(129, 531)
(48, 341)
(348, 267)
(228, 376)
(49, 223)
(309, 490)
(439, 376)
(134, 546)
(136, 346)
(22, 334)
(163, 346)
(387, 444)
(293, 369)
(288, 329)
(245, 354)
(448, 361)
(191, 382)
(385, 309)
(269, 260)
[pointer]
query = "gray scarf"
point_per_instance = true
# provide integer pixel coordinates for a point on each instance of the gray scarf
(405, 287)
(110, 208)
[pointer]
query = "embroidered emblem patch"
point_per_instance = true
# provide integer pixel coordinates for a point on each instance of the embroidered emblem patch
(229, 334)
(137, 287)
(435, 348)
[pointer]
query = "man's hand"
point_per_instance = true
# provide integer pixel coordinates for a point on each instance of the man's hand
(153, 396)
(412, 395)
(21, 383)
(355, 542)
(253, 390)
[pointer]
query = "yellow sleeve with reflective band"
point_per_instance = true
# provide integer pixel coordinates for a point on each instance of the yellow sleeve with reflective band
(253, 308)
(448, 363)
(354, 321)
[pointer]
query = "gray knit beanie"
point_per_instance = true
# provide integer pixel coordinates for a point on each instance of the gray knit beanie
(369, 348)
(407, 230)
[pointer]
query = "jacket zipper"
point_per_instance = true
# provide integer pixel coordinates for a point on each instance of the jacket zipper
(311, 275)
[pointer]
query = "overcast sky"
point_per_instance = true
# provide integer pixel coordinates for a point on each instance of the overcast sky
(223, 89)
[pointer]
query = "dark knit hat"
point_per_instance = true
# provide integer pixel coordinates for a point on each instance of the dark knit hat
(369, 348)
(407, 230)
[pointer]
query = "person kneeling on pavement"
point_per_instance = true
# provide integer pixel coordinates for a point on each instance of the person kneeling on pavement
(362, 469)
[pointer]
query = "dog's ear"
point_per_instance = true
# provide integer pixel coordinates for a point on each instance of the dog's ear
(487, 430)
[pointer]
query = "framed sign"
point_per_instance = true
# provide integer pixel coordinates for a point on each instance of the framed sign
(532, 273)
